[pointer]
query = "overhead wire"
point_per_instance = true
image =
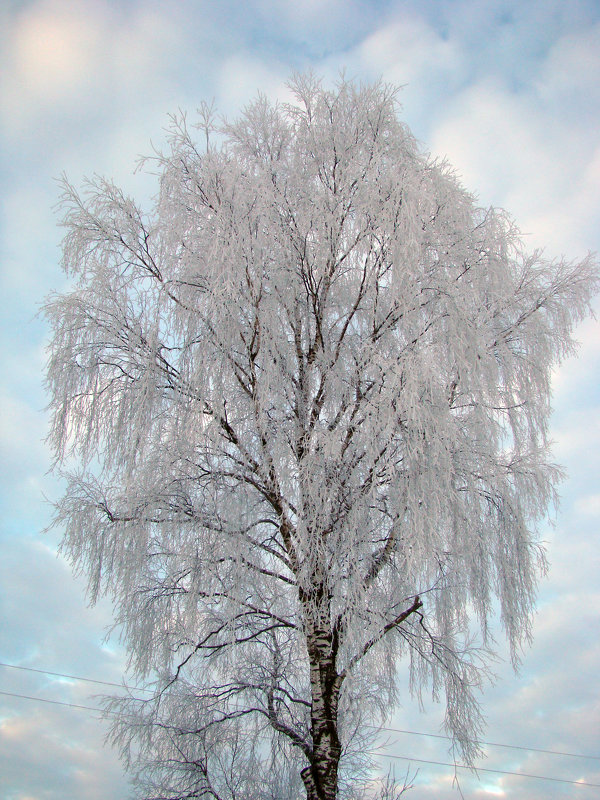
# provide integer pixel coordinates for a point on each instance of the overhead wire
(52, 702)
(377, 752)
(381, 728)
(74, 677)
(371, 752)
(494, 744)
(487, 769)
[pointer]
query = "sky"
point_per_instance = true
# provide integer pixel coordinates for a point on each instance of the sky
(508, 92)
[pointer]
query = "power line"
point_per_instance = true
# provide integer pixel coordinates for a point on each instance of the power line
(494, 744)
(372, 752)
(53, 702)
(101, 711)
(487, 769)
(74, 677)
(382, 728)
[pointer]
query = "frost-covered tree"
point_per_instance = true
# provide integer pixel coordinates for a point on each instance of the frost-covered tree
(306, 399)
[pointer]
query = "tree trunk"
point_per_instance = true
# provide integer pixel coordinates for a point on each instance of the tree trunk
(321, 776)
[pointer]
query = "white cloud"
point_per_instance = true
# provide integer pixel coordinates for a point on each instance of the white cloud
(588, 505)
(493, 138)
(408, 50)
(515, 148)
(579, 373)
(21, 433)
(241, 76)
(577, 437)
(68, 755)
(569, 74)
(26, 219)
(51, 751)
(307, 12)
(52, 59)
(67, 60)
(54, 50)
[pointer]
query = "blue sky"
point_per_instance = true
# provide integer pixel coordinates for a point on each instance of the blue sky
(509, 93)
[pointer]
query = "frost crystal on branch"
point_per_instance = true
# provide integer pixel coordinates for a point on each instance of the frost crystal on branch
(307, 399)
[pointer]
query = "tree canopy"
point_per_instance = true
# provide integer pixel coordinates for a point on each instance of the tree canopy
(302, 410)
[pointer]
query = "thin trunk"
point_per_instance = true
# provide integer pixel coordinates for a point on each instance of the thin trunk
(321, 776)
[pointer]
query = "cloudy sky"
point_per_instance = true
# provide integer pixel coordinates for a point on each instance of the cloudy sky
(509, 91)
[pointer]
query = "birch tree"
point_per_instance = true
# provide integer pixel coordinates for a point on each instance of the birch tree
(301, 407)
